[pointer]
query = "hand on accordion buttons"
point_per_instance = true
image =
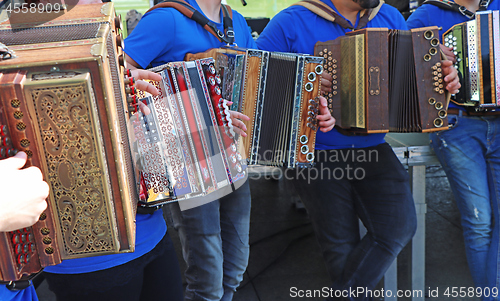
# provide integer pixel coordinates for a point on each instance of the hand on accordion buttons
(448, 52)
(451, 76)
(326, 83)
(23, 193)
(139, 74)
(238, 125)
(326, 120)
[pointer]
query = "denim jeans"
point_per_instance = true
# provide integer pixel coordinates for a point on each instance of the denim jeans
(214, 240)
(351, 184)
(470, 155)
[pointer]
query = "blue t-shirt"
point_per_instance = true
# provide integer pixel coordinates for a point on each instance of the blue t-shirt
(431, 15)
(297, 29)
(150, 230)
(27, 294)
(166, 35)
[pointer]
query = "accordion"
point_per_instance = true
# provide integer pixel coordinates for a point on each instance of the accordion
(386, 80)
(476, 45)
(63, 102)
(183, 144)
(279, 92)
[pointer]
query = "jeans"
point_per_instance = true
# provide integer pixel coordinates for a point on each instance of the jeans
(214, 240)
(470, 155)
(351, 184)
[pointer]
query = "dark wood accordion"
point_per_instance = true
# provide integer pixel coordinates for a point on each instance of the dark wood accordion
(279, 92)
(386, 80)
(476, 45)
(63, 102)
(184, 144)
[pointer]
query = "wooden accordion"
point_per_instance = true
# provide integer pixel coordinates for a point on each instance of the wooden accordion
(386, 80)
(183, 143)
(63, 102)
(279, 92)
(476, 45)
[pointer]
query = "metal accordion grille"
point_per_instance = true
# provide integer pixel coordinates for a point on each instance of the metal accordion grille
(50, 34)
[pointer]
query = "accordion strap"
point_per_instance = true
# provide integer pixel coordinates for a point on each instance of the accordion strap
(189, 11)
(326, 12)
(450, 5)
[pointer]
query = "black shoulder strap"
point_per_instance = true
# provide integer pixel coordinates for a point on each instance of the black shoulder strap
(189, 11)
(450, 5)
(326, 12)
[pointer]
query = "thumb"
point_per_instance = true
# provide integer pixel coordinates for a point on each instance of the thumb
(15, 162)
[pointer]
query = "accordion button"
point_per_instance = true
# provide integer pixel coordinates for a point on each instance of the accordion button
(18, 249)
(20, 259)
(45, 231)
(26, 248)
(27, 258)
(16, 239)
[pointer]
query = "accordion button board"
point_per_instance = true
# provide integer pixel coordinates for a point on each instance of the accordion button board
(476, 45)
(63, 102)
(386, 80)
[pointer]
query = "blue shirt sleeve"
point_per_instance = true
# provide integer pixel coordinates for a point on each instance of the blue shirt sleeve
(419, 18)
(278, 34)
(143, 45)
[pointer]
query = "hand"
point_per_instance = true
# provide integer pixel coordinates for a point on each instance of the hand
(140, 74)
(22, 193)
(326, 121)
(326, 83)
(238, 125)
(451, 76)
(448, 52)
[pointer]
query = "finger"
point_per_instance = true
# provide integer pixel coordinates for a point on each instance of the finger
(239, 115)
(32, 173)
(239, 124)
(15, 162)
(144, 108)
(145, 86)
(145, 74)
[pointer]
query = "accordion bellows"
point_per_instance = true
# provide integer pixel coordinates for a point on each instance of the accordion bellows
(386, 80)
(63, 102)
(279, 92)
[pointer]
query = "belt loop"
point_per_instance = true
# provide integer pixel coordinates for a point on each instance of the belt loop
(460, 112)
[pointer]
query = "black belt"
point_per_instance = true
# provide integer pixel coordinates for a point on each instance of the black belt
(456, 111)
(147, 210)
(20, 284)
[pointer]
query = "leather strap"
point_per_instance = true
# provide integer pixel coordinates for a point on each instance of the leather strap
(326, 12)
(450, 5)
(189, 11)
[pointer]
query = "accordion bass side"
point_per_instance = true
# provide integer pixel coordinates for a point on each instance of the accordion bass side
(386, 80)
(476, 45)
(279, 92)
(63, 102)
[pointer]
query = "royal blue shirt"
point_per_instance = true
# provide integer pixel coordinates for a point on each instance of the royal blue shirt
(297, 29)
(27, 294)
(150, 230)
(166, 35)
(431, 15)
